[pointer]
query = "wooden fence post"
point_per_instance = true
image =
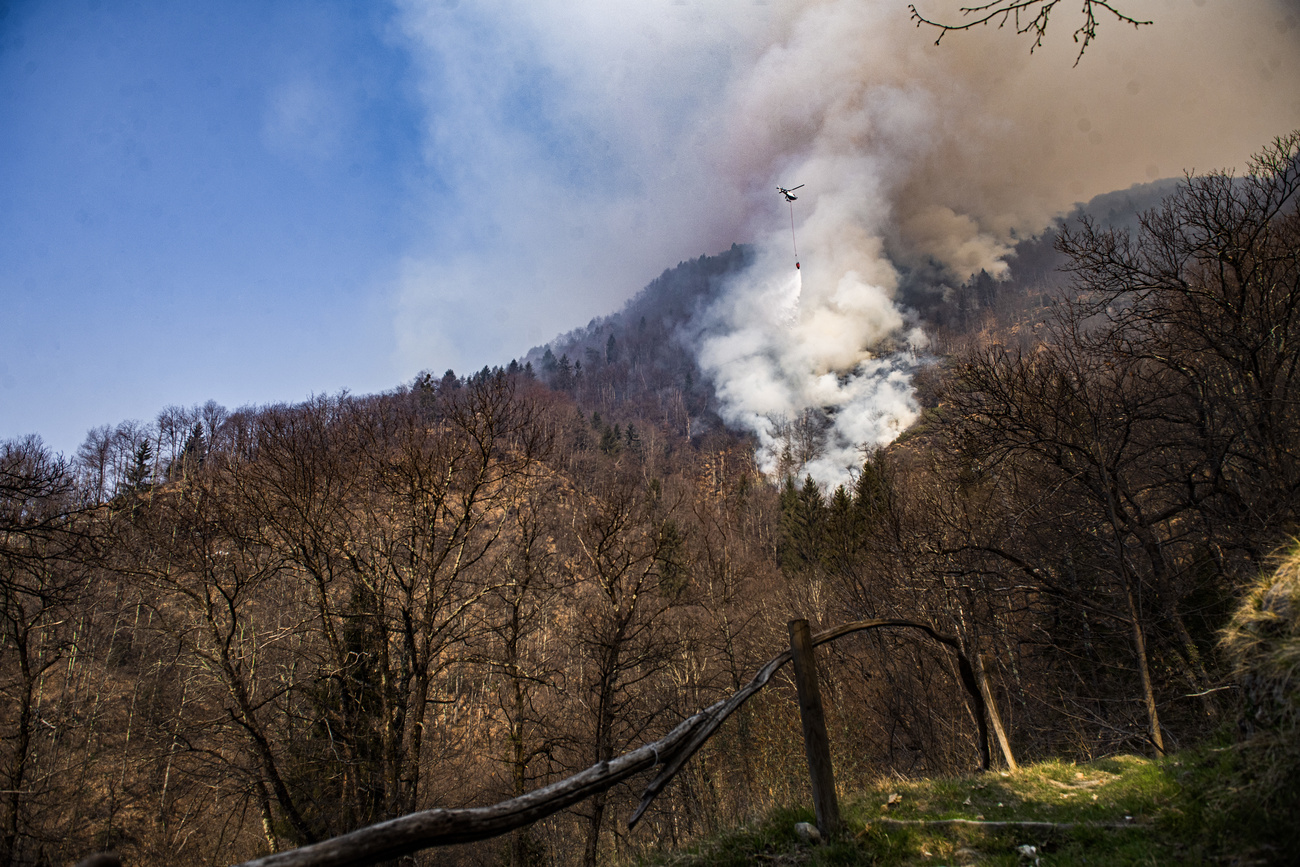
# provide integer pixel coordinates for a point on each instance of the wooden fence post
(816, 743)
(385, 841)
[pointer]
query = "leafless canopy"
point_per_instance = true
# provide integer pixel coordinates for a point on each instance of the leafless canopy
(1029, 16)
(439, 827)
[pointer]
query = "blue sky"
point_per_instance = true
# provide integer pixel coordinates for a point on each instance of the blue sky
(244, 200)
(257, 201)
(197, 201)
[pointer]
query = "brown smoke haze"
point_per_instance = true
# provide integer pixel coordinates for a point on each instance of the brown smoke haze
(946, 151)
(916, 155)
(665, 127)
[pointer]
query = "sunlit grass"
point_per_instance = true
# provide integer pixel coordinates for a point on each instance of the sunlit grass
(1119, 810)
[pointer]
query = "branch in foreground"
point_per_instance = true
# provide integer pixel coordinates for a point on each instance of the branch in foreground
(1029, 16)
(386, 841)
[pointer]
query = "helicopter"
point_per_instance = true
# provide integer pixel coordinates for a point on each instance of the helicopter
(791, 198)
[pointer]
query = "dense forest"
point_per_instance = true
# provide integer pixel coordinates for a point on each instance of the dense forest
(227, 633)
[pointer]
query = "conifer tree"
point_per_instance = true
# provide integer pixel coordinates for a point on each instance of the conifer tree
(139, 475)
(802, 519)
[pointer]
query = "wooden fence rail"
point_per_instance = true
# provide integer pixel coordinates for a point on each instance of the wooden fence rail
(394, 838)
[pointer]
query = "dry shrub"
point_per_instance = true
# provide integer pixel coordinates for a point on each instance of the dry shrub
(1263, 644)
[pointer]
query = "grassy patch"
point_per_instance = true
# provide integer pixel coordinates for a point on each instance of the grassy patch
(1116, 811)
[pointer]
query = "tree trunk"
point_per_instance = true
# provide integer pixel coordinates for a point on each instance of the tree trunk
(520, 842)
(594, 822)
(1148, 690)
(16, 773)
(995, 717)
(268, 821)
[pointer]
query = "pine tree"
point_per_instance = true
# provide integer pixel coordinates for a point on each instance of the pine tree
(139, 475)
(195, 450)
(843, 533)
(802, 522)
(563, 378)
(611, 443)
(670, 559)
(871, 490)
(424, 382)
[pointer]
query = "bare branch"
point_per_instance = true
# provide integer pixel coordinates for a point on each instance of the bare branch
(1028, 16)
(397, 837)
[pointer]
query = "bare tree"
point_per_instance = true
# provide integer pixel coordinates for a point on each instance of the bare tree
(1030, 16)
(1145, 452)
(1208, 293)
(206, 575)
(42, 545)
(387, 511)
(523, 649)
(623, 643)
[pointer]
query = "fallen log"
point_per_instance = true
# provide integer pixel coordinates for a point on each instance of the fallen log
(1002, 824)
(385, 841)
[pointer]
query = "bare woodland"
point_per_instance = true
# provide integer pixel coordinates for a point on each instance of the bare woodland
(226, 634)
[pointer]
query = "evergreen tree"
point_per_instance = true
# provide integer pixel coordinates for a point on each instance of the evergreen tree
(802, 520)
(843, 533)
(610, 442)
(195, 449)
(871, 489)
(563, 378)
(580, 440)
(139, 475)
(424, 382)
(670, 559)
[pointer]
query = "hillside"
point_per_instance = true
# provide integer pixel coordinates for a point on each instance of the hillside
(649, 348)
(231, 633)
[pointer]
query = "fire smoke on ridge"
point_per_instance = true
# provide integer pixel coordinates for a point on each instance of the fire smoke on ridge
(689, 115)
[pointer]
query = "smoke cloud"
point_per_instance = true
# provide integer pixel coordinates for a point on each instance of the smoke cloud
(817, 379)
(666, 128)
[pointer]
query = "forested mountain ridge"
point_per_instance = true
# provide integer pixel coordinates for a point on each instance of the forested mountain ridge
(647, 347)
(228, 633)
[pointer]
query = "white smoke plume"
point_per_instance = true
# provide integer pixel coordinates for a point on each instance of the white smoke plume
(910, 154)
(817, 378)
(915, 156)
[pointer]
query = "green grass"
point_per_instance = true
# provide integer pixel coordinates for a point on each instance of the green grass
(1126, 810)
